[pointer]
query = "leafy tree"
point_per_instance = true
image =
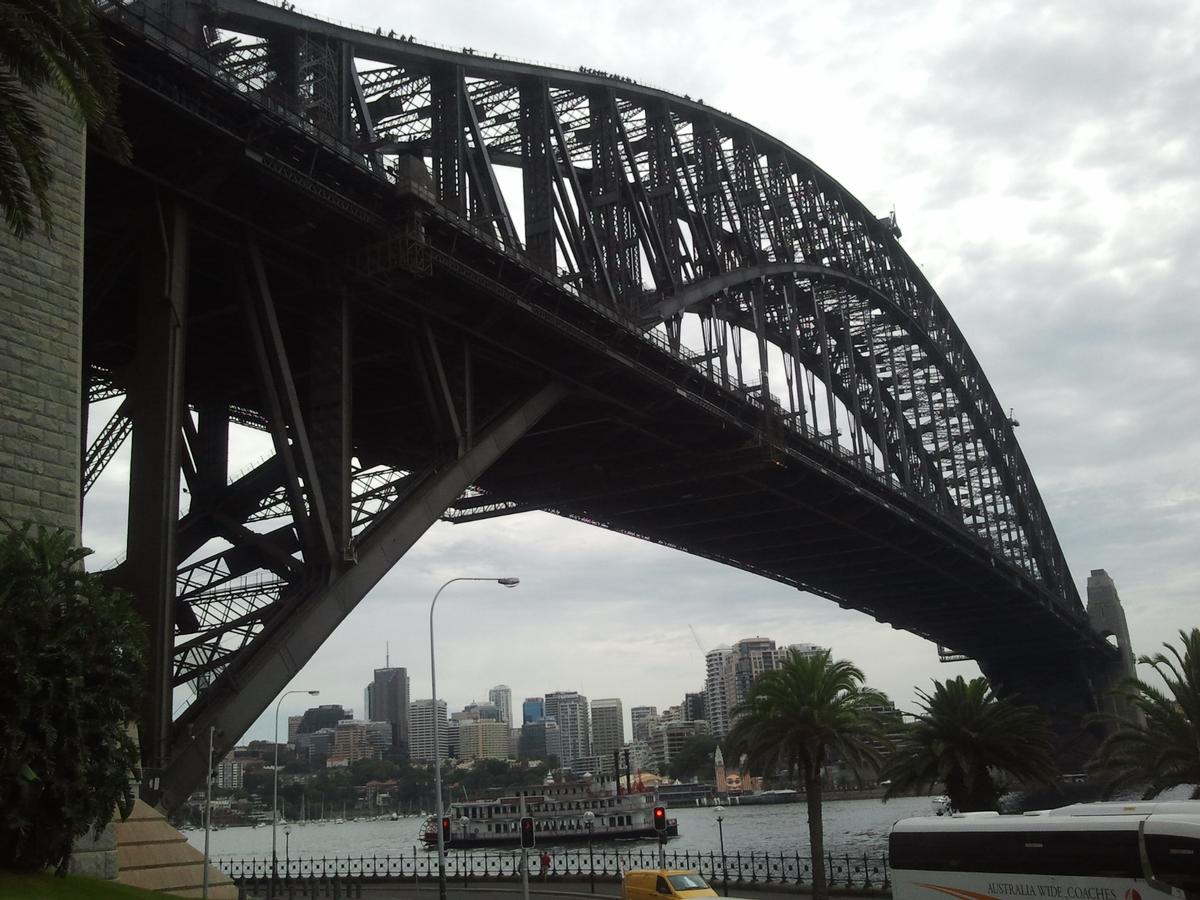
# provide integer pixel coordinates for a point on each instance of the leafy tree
(48, 44)
(694, 758)
(966, 739)
(71, 661)
(1163, 750)
(794, 716)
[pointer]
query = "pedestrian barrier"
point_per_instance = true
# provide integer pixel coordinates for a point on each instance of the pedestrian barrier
(751, 867)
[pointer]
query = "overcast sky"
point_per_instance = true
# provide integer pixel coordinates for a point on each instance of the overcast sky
(1043, 163)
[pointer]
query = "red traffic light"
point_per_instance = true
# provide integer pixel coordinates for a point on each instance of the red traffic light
(445, 829)
(660, 819)
(527, 837)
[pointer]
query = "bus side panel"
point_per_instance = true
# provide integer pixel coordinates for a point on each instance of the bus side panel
(917, 884)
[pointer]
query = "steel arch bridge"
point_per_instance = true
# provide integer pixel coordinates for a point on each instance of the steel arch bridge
(455, 286)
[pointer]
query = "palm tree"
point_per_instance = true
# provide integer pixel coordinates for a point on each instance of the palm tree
(1164, 750)
(965, 739)
(794, 716)
(45, 45)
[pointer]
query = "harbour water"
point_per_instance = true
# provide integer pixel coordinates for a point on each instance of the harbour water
(852, 827)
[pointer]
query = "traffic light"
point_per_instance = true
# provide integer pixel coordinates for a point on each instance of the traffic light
(660, 819)
(445, 829)
(527, 831)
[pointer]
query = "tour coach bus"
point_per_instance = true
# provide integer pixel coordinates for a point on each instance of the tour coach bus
(1089, 851)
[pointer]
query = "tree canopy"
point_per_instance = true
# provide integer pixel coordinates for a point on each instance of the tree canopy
(48, 45)
(1161, 747)
(694, 759)
(966, 739)
(794, 716)
(71, 661)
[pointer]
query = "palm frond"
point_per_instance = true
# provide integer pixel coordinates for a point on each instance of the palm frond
(1160, 748)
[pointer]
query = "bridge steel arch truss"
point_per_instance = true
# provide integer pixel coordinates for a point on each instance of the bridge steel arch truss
(608, 217)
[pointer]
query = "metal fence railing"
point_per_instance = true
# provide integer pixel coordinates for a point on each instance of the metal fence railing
(842, 870)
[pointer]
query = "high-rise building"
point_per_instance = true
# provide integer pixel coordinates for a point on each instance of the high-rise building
(730, 671)
(533, 710)
(501, 697)
(389, 702)
(369, 702)
(693, 707)
(608, 726)
(229, 773)
(668, 739)
(354, 740)
(294, 728)
(640, 717)
(315, 746)
(716, 706)
(422, 719)
(476, 712)
(570, 710)
(325, 716)
(482, 739)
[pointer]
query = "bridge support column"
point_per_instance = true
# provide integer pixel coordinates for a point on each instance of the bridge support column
(1107, 617)
(246, 689)
(1064, 687)
(157, 411)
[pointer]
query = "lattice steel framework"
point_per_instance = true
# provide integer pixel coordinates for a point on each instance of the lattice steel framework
(661, 206)
(662, 216)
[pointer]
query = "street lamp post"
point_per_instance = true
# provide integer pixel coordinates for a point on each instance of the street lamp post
(464, 821)
(287, 850)
(275, 788)
(437, 750)
(212, 730)
(589, 819)
(718, 809)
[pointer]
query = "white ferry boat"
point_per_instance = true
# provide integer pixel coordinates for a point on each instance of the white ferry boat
(559, 816)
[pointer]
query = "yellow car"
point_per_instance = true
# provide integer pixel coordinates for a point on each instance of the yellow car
(658, 884)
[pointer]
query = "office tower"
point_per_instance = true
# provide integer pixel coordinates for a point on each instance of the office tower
(693, 707)
(421, 721)
(294, 728)
(483, 739)
(326, 716)
(389, 700)
(501, 697)
(354, 740)
(570, 710)
(369, 703)
(533, 710)
(640, 718)
(608, 726)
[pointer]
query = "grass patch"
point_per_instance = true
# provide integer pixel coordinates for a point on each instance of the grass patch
(20, 886)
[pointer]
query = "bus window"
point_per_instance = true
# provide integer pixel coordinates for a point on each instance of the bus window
(1175, 860)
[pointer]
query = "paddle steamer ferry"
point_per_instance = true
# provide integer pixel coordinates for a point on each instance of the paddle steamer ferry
(559, 813)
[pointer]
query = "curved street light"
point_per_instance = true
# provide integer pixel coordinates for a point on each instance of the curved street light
(508, 581)
(275, 789)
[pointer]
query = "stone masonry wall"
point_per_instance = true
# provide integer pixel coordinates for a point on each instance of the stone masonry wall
(41, 332)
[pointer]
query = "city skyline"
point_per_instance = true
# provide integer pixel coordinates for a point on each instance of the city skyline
(626, 712)
(1040, 169)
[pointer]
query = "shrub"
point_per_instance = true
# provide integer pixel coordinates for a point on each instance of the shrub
(71, 663)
